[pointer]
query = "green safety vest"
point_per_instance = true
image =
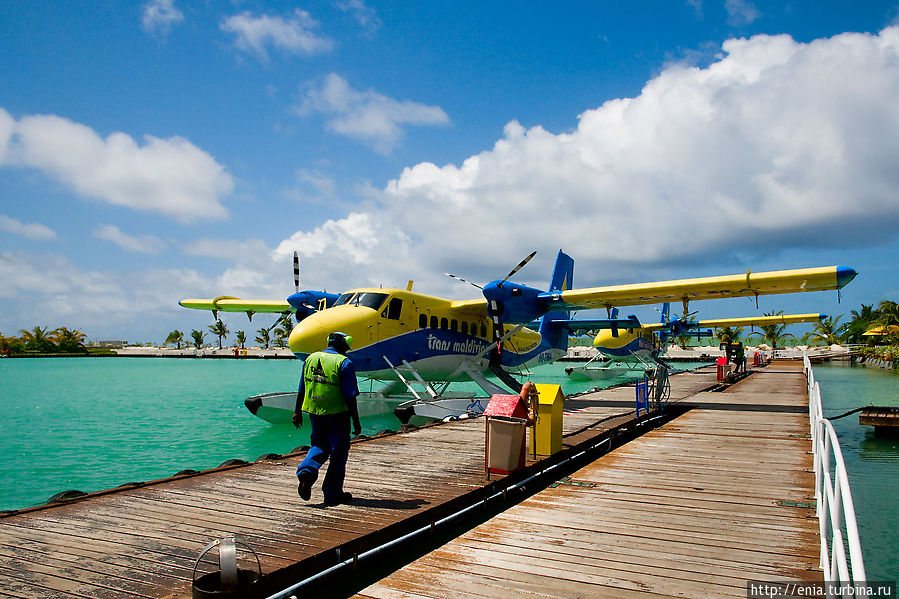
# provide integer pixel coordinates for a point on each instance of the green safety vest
(321, 381)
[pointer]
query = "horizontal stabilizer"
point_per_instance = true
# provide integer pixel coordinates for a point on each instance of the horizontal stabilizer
(630, 322)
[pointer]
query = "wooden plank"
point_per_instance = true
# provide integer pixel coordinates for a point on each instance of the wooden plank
(689, 509)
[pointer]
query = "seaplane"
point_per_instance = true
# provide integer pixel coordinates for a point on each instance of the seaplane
(415, 345)
(622, 350)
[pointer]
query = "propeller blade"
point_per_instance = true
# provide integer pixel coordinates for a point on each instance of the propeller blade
(519, 267)
(296, 270)
(462, 280)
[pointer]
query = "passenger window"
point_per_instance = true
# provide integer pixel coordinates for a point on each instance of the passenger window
(422, 321)
(483, 331)
(393, 309)
(433, 322)
(464, 328)
(454, 325)
(444, 324)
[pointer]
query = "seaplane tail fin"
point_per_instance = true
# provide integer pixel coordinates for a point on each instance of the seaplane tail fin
(562, 280)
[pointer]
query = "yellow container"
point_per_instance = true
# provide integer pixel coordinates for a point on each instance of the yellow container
(548, 428)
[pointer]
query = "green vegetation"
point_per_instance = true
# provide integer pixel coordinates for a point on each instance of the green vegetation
(176, 337)
(41, 341)
(263, 337)
(241, 338)
(773, 332)
(219, 330)
(197, 336)
(729, 334)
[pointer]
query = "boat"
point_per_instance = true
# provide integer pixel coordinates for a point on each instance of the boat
(278, 408)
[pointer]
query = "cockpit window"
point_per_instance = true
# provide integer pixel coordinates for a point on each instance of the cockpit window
(370, 300)
(344, 299)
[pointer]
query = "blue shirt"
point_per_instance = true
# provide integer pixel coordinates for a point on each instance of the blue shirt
(349, 388)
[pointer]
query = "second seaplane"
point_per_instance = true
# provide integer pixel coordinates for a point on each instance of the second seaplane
(632, 346)
(415, 344)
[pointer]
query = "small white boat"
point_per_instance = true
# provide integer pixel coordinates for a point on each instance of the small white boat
(278, 408)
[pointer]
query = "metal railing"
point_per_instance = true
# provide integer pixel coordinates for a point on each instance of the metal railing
(833, 497)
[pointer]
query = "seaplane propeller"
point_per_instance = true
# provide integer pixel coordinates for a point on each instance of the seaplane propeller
(499, 296)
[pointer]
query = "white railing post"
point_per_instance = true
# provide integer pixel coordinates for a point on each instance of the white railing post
(833, 497)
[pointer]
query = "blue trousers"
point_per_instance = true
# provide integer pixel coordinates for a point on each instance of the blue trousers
(330, 439)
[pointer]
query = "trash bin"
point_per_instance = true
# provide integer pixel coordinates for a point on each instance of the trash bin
(547, 437)
(723, 369)
(506, 420)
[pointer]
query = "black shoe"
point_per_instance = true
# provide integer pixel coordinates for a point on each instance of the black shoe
(305, 487)
(344, 497)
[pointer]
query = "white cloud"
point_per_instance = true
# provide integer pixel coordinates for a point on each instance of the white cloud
(35, 231)
(160, 16)
(171, 176)
(294, 35)
(144, 244)
(366, 16)
(741, 12)
(776, 145)
(50, 291)
(367, 116)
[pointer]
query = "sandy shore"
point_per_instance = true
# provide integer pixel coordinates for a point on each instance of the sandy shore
(206, 352)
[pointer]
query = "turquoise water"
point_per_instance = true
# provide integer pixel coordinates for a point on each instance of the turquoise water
(871, 462)
(96, 423)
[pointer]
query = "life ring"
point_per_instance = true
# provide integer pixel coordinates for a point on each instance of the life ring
(529, 396)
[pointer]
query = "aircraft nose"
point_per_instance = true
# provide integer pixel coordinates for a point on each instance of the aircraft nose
(308, 336)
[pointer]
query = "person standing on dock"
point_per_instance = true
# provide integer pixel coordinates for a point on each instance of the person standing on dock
(327, 394)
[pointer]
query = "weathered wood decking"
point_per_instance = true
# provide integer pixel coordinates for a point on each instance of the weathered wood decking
(142, 542)
(695, 508)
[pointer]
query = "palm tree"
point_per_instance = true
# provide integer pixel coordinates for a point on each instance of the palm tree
(68, 341)
(888, 313)
(197, 337)
(773, 332)
(263, 337)
(219, 330)
(283, 331)
(828, 330)
(241, 338)
(176, 337)
(887, 316)
(38, 339)
(729, 334)
(862, 320)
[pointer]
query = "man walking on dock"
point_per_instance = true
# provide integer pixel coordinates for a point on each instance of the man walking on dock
(327, 394)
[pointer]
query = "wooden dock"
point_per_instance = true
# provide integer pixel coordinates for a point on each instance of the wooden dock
(696, 508)
(143, 541)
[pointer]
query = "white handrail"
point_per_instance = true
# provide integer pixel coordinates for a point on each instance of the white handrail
(833, 497)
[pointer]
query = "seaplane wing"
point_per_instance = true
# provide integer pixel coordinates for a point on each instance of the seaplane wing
(745, 321)
(234, 304)
(742, 285)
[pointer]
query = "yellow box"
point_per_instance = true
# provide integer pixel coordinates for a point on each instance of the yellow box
(548, 428)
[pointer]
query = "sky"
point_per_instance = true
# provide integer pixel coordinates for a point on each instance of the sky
(159, 150)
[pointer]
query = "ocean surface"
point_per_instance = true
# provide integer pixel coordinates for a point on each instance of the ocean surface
(96, 423)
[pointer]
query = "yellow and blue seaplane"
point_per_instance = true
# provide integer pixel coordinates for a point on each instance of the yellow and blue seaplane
(625, 346)
(416, 344)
